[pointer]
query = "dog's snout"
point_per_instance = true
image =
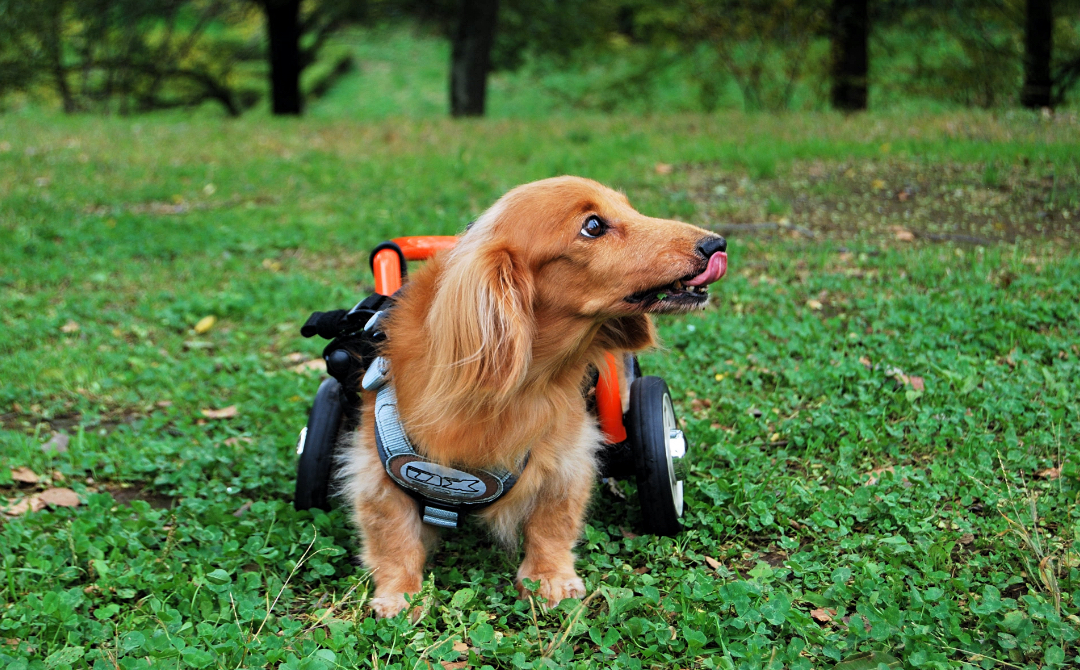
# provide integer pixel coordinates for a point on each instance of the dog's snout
(710, 245)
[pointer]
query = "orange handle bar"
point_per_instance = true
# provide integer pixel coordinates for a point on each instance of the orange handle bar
(609, 402)
(425, 246)
(387, 269)
(386, 266)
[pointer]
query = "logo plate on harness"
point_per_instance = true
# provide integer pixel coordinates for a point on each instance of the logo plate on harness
(441, 482)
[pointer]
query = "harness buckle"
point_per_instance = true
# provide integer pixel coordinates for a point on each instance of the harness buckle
(376, 375)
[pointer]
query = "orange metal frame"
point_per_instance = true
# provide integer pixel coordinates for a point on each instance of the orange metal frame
(387, 269)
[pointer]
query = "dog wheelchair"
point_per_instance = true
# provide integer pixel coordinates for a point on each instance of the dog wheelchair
(645, 442)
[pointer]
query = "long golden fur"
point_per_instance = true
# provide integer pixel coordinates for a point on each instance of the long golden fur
(489, 345)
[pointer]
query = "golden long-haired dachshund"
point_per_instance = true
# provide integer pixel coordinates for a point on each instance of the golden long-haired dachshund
(489, 345)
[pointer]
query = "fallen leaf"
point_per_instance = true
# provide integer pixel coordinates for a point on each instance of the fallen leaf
(902, 234)
(903, 196)
(917, 383)
(460, 646)
(1050, 473)
(24, 475)
(664, 168)
(823, 615)
(242, 509)
(236, 439)
(877, 184)
(966, 539)
(712, 562)
(874, 475)
(69, 327)
(58, 443)
(627, 534)
(316, 364)
(31, 504)
(865, 361)
(164, 403)
(294, 358)
(641, 571)
(814, 304)
(205, 324)
(223, 413)
(62, 497)
(447, 665)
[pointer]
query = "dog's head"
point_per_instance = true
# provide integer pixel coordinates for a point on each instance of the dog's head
(561, 251)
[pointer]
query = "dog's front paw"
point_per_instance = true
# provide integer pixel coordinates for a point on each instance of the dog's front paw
(385, 607)
(554, 588)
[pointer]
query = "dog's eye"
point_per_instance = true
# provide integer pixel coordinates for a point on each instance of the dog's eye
(594, 227)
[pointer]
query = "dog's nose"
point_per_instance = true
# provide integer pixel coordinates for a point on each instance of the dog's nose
(710, 245)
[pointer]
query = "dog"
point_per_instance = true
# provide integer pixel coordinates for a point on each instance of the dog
(489, 345)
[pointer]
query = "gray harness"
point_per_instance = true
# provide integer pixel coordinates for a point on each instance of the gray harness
(445, 494)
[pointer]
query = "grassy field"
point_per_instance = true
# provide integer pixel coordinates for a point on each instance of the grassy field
(881, 398)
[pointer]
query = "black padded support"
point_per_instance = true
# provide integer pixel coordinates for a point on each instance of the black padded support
(326, 325)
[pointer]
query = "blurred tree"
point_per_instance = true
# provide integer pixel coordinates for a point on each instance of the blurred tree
(470, 56)
(850, 29)
(979, 52)
(127, 55)
(492, 35)
(762, 44)
(283, 37)
(296, 31)
(1038, 47)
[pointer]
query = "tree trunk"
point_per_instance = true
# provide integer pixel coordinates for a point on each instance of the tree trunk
(1038, 46)
(283, 27)
(53, 39)
(471, 57)
(850, 27)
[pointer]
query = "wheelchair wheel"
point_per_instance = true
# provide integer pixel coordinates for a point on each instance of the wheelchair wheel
(316, 448)
(659, 448)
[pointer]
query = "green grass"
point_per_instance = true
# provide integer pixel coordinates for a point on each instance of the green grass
(134, 229)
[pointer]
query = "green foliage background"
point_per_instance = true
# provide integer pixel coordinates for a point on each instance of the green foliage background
(136, 230)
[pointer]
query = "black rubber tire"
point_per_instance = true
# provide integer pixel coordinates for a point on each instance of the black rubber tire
(646, 434)
(315, 466)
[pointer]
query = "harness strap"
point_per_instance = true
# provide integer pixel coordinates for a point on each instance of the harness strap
(445, 493)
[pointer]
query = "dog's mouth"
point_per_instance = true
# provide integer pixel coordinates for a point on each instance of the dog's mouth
(684, 293)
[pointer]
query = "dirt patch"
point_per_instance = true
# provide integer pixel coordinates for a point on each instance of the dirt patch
(123, 495)
(898, 199)
(26, 422)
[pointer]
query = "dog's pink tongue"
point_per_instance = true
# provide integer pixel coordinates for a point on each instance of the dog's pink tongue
(714, 270)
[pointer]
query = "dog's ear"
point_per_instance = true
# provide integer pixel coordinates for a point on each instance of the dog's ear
(481, 323)
(627, 333)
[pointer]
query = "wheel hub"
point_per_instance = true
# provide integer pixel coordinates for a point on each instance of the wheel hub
(675, 447)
